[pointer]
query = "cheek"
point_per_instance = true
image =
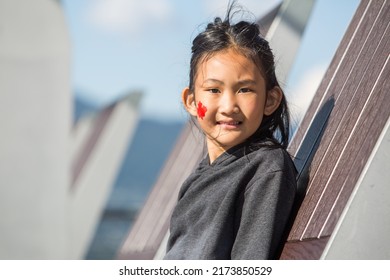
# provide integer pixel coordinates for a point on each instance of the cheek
(256, 106)
(253, 110)
(201, 110)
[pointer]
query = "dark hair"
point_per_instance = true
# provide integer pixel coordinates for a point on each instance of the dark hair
(245, 37)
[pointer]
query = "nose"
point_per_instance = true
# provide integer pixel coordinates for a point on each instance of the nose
(228, 103)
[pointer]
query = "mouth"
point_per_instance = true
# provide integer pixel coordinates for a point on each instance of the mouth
(229, 124)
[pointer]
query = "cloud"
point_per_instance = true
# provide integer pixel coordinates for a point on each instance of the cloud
(128, 16)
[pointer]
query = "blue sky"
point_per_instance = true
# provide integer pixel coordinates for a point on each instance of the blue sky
(119, 46)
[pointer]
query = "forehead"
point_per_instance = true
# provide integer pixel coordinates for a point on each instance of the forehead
(226, 61)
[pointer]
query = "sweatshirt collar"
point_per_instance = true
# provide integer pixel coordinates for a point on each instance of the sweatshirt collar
(234, 153)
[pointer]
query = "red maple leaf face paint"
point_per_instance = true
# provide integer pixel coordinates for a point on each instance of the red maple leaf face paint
(201, 110)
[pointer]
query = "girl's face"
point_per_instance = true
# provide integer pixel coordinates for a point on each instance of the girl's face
(230, 100)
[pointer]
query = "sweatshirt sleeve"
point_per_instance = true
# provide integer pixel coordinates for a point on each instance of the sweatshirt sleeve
(263, 213)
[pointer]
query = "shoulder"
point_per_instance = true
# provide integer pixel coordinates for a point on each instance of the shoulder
(271, 159)
(272, 167)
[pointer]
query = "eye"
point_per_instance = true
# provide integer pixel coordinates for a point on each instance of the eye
(213, 90)
(245, 90)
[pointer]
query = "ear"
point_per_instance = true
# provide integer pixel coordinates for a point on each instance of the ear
(189, 103)
(274, 97)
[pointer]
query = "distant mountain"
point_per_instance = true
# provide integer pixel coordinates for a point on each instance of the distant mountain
(82, 107)
(143, 161)
(146, 155)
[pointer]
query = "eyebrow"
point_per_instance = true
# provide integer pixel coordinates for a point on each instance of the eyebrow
(213, 81)
(247, 82)
(240, 83)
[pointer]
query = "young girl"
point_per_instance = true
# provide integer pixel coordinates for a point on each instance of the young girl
(237, 202)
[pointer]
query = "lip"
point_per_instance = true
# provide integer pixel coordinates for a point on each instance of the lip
(229, 124)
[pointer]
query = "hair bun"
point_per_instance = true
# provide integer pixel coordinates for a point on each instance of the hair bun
(218, 21)
(216, 24)
(249, 30)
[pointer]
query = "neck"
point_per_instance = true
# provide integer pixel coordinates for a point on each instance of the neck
(214, 149)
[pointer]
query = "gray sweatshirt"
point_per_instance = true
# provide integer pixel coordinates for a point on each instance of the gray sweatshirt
(235, 208)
